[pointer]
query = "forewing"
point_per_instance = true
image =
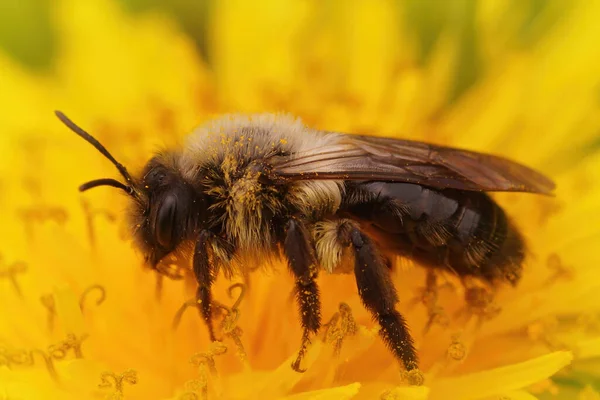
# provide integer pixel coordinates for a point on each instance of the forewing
(393, 160)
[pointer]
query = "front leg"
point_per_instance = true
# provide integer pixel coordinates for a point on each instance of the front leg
(205, 276)
(302, 262)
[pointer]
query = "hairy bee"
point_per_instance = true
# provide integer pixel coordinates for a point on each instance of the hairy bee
(253, 186)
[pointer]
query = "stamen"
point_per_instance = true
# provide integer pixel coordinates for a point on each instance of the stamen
(548, 207)
(40, 214)
(428, 295)
(10, 357)
(181, 311)
(158, 286)
(436, 316)
(229, 322)
(90, 215)
(340, 326)
(109, 379)
(58, 351)
(480, 303)
(330, 328)
(73, 342)
(10, 273)
(457, 349)
(559, 270)
(546, 332)
(55, 352)
(207, 359)
(231, 316)
(32, 185)
(97, 288)
(195, 389)
(240, 297)
(207, 369)
(48, 361)
(171, 270)
(21, 357)
(232, 330)
(236, 336)
(414, 377)
(48, 302)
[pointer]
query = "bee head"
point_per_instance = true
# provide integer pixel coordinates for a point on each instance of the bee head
(170, 210)
(165, 210)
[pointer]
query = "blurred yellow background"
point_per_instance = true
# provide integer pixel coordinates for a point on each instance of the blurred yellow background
(260, 54)
(28, 29)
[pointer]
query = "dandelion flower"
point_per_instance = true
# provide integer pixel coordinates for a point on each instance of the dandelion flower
(82, 319)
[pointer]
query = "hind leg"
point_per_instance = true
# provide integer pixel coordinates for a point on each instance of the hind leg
(376, 290)
(379, 296)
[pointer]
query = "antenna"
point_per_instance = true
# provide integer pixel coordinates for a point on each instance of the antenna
(106, 182)
(129, 188)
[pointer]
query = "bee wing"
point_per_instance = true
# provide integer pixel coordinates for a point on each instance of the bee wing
(393, 160)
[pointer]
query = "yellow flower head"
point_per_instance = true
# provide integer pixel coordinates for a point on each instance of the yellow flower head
(81, 318)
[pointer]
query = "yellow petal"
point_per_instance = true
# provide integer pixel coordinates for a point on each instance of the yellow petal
(282, 379)
(515, 395)
(588, 393)
(335, 393)
(496, 381)
(406, 393)
(68, 311)
(587, 348)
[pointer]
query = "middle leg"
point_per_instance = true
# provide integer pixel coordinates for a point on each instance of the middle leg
(302, 262)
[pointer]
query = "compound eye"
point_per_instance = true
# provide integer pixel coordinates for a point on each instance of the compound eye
(165, 221)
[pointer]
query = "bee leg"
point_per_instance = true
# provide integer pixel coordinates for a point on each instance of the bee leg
(205, 276)
(378, 294)
(302, 262)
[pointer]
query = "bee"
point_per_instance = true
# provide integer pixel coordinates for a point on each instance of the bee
(250, 187)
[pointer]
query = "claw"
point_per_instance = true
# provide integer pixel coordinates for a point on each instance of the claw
(296, 365)
(301, 353)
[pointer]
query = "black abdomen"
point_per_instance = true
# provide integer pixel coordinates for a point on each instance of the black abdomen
(463, 231)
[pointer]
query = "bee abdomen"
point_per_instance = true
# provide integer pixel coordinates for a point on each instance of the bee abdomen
(465, 232)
